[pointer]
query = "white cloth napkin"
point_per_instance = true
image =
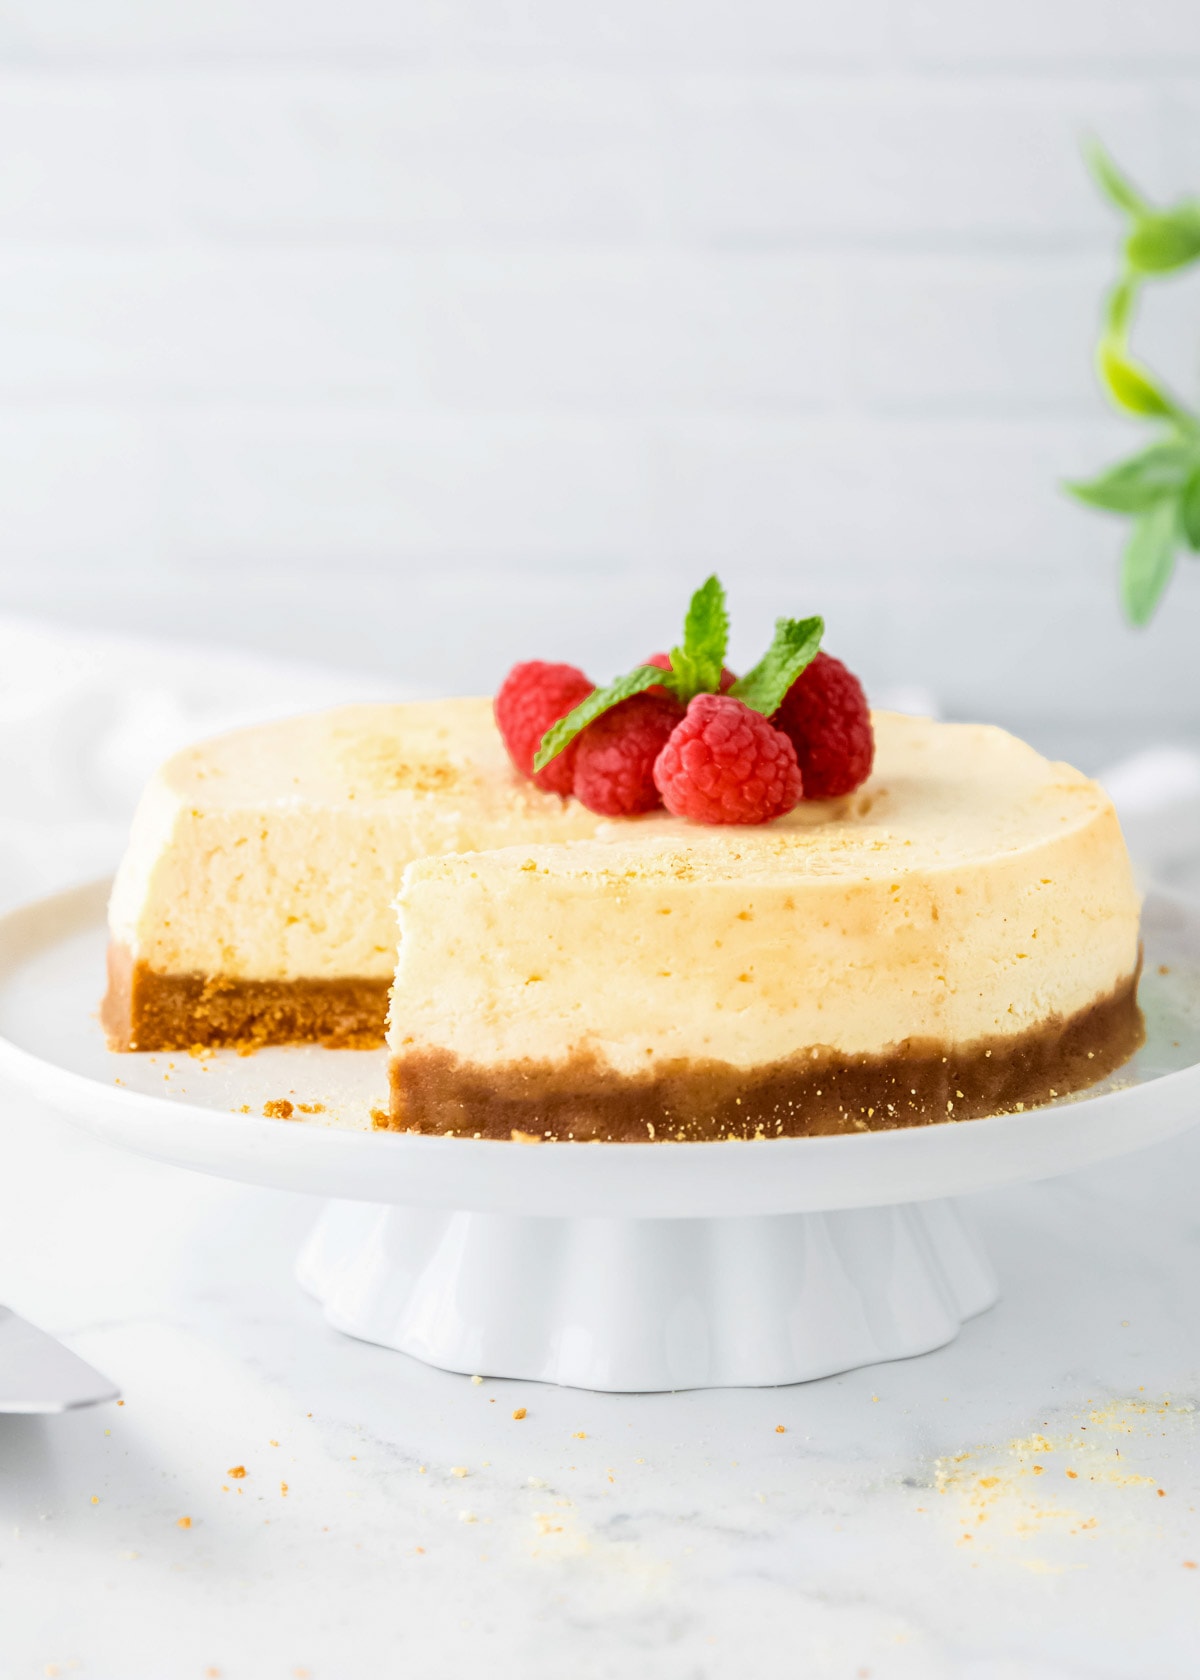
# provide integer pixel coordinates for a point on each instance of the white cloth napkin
(1157, 795)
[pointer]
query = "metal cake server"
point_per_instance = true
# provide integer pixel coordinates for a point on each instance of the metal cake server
(38, 1374)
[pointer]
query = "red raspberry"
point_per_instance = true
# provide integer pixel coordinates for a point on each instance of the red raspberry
(614, 769)
(663, 661)
(727, 764)
(532, 697)
(826, 717)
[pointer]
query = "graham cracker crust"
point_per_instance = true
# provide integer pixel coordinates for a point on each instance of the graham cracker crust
(144, 1010)
(810, 1094)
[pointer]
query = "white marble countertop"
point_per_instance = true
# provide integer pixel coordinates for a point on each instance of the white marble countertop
(992, 1510)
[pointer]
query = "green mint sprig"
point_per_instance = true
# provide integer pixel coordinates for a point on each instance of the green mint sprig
(696, 668)
(1159, 487)
(795, 644)
(561, 734)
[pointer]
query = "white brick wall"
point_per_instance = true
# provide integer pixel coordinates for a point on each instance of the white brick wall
(432, 333)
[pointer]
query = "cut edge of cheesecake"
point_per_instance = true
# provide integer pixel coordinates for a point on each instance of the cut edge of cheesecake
(253, 904)
(813, 1093)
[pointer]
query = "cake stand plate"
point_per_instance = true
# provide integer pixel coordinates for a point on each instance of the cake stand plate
(615, 1266)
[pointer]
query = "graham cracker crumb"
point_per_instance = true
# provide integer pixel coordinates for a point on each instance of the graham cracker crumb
(279, 1108)
(237, 1473)
(184, 1522)
(520, 1413)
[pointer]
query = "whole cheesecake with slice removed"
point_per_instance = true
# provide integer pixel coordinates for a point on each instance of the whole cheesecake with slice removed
(958, 937)
(254, 902)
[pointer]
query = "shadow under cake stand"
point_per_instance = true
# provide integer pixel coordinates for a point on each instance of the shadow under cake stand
(612, 1266)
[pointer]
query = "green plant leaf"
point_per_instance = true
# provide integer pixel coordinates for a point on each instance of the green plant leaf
(699, 662)
(1149, 560)
(562, 733)
(1189, 511)
(795, 645)
(1115, 186)
(1165, 240)
(1118, 310)
(1132, 387)
(1135, 484)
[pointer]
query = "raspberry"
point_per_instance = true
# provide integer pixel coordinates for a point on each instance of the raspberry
(532, 697)
(663, 661)
(825, 716)
(727, 764)
(614, 769)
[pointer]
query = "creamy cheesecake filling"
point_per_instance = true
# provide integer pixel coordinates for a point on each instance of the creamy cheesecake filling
(812, 1093)
(963, 932)
(253, 904)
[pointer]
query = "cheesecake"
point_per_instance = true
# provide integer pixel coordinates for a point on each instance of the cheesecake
(254, 902)
(958, 937)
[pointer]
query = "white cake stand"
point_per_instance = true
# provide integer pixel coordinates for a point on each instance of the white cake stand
(612, 1266)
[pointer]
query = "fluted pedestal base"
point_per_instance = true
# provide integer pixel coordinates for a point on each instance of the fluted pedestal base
(645, 1304)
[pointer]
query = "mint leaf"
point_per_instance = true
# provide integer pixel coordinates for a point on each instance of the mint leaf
(1189, 511)
(1149, 560)
(697, 665)
(795, 645)
(1165, 240)
(562, 733)
(1117, 188)
(705, 638)
(1133, 485)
